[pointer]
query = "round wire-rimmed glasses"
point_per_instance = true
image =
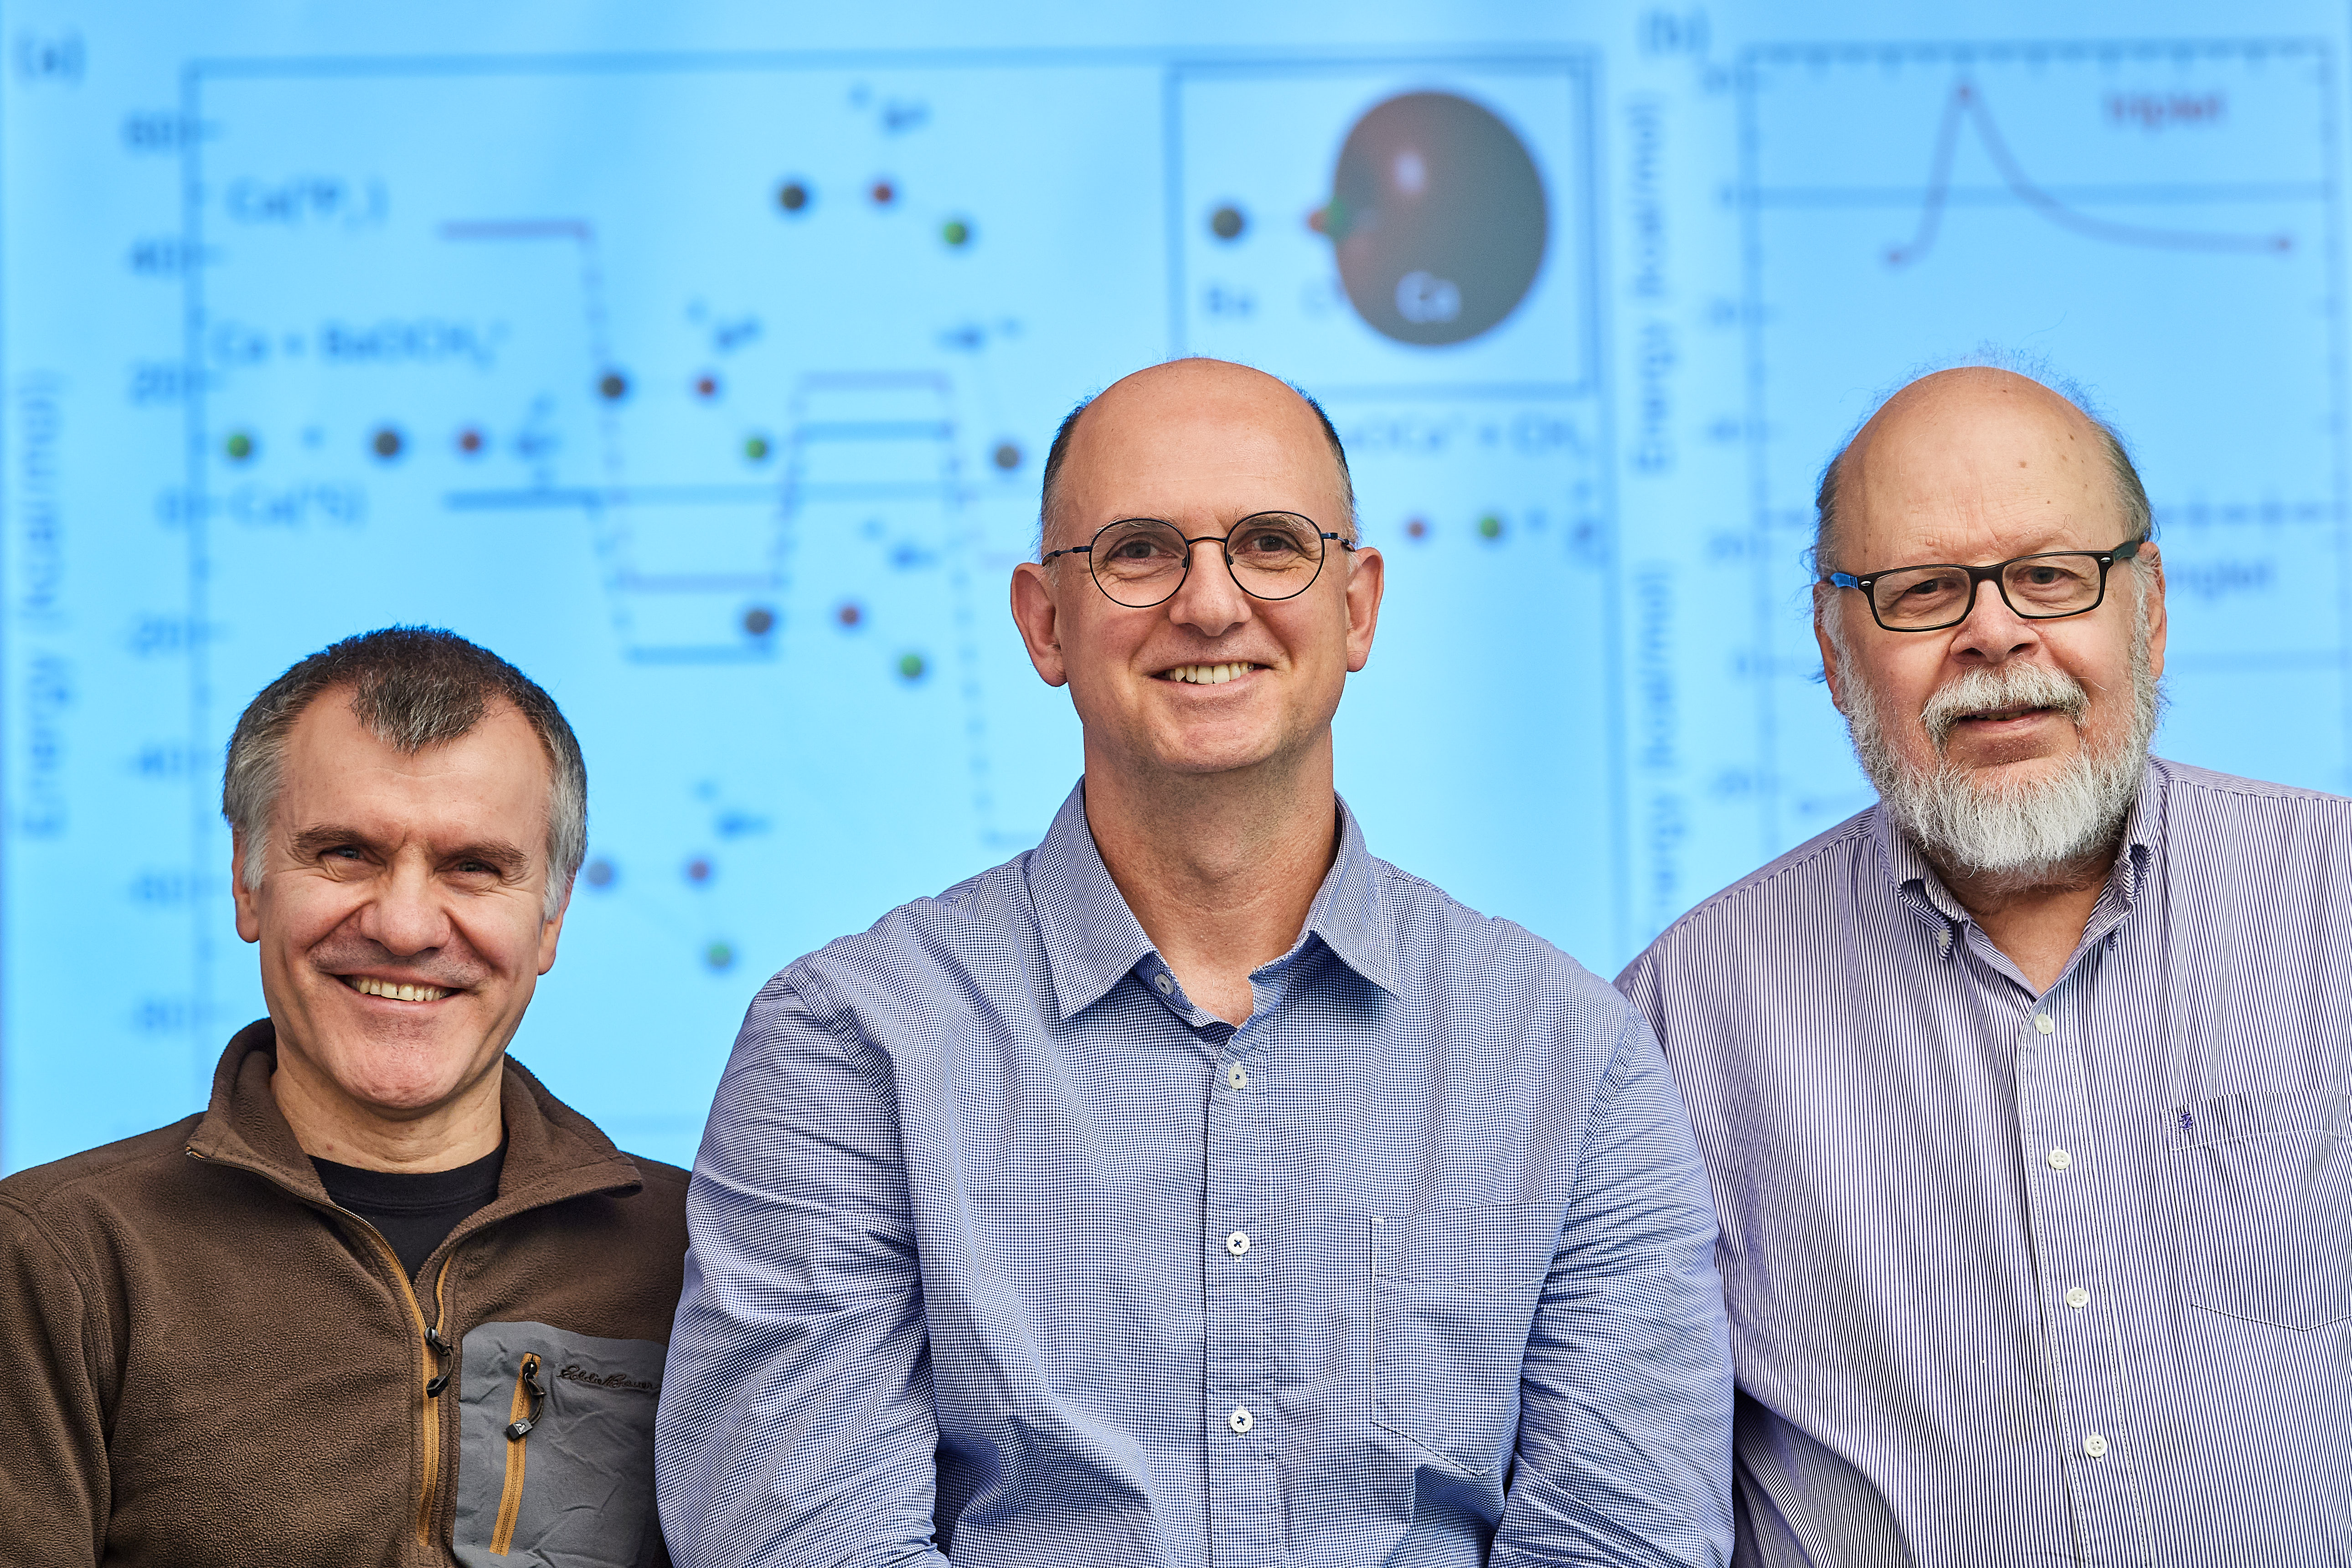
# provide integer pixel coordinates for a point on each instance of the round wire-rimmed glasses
(2047, 586)
(1140, 562)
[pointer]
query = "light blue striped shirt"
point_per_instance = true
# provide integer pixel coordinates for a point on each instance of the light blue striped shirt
(1002, 1247)
(2021, 1279)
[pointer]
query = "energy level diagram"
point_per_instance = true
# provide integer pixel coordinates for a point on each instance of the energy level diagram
(2168, 212)
(715, 393)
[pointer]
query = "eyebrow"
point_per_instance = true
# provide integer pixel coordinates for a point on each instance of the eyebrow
(510, 859)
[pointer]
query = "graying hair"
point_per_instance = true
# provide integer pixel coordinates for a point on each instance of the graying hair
(412, 687)
(2131, 496)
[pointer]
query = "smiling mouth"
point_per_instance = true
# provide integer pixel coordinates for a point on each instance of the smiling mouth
(394, 990)
(1208, 674)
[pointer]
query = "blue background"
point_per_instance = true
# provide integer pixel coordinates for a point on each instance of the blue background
(493, 319)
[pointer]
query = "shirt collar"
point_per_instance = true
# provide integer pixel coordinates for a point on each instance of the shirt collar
(1910, 871)
(1349, 913)
(1092, 939)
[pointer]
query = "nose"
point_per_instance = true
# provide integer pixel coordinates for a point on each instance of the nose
(406, 916)
(1992, 633)
(1210, 601)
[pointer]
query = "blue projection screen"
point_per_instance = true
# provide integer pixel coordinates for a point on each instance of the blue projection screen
(702, 363)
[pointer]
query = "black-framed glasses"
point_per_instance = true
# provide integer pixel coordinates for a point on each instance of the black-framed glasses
(1140, 562)
(2047, 586)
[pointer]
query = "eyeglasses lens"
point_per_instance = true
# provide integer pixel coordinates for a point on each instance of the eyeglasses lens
(1276, 555)
(1139, 563)
(1921, 596)
(2052, 584)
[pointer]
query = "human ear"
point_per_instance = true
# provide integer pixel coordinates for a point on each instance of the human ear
(2151, 583)
(1040, 620)
(548, 931)
(1367, 579)
(1825, 606)
(248, 900)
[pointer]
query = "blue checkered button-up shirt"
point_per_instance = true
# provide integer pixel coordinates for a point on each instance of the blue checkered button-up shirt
(1003, 1249)
(2035, 1278)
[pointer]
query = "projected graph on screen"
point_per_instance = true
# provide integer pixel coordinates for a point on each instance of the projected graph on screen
(704, 367)
(714, 394)
(2166, 213)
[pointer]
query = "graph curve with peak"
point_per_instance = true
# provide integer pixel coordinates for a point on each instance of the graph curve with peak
(1966, 102)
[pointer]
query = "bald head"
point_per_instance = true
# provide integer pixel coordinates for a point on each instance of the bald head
(1122, 421)
(1977, 441)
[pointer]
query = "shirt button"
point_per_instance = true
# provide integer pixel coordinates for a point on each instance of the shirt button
(1163, 983)
(1237, 1244)
(2095, 1445)
(1237, 1075)
(2078, 1298)
(2060, 1160)
(1241, 1421)
(2042, 1022)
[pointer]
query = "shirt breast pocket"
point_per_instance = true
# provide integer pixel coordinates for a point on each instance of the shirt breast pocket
(2264, 1184)
(555, 1449)
(1454, 1294)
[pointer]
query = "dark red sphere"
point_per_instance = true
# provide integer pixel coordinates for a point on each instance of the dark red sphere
(1437, 218)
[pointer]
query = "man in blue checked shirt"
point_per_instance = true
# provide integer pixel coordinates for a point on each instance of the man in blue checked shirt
(1196, 1188)
(2023, 1092)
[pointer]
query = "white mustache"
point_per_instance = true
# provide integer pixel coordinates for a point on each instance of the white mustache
(1992, 690)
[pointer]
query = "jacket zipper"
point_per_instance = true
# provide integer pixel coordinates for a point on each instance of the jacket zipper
(522, 1415)
(433, 1374)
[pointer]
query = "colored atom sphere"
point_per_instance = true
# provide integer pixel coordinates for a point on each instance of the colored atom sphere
(470, 441)
(883, 192)
(792, 195)
(1007, 456)
(1437, 218)
(698, 870)
(910, 667)
(849, 615)
(759, 620)
(1228, 222)
(613, 386)
(706, 386)
(599, 872)
(238, 445)
(1490, 527)
(385, 443)
(755, 447)
(718, 955)
(1418, 528)
(957, 232)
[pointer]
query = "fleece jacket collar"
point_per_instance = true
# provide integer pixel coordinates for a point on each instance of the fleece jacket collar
(554, 1152)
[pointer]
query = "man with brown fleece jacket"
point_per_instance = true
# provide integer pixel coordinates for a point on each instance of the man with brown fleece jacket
(387, 1300)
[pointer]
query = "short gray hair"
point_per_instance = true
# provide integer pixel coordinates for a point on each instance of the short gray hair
(2131, 496)
(413, 688)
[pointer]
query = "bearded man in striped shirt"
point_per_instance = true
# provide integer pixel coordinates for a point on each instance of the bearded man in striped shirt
(2022, 1094)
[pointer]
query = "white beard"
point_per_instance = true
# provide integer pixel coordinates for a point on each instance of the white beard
(2022, 833)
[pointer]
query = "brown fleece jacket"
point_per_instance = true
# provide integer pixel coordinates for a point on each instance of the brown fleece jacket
(210, 1363)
